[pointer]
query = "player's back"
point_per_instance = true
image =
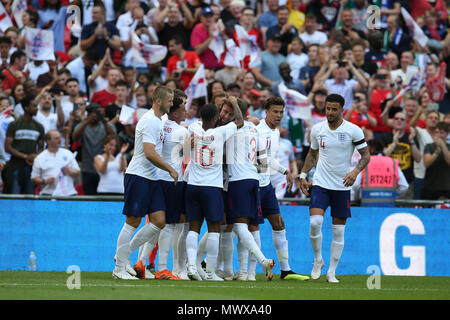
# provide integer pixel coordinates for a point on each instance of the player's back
(172, 149)
(241, 153)
(335, 152)
(205, 167)
(148, 130)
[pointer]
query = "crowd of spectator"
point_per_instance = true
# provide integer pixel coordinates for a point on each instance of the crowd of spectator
(60, 132)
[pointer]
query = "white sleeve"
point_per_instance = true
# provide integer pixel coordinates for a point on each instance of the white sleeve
(314, 144)
(358, 138)
(275, 165)
(148, 133)
(36, 169)
(403, 185)
(228, 130)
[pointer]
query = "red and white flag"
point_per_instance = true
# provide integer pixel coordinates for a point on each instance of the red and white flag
(248, 46)
(5, 19)
(297, 105)
(217, 43)
(197, 87)
(414, 29)
(147, 53)
(17, 9)
(436, 85)
(232, 56)
(39, 44)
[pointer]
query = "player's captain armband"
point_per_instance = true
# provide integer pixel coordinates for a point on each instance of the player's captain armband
(359, 143)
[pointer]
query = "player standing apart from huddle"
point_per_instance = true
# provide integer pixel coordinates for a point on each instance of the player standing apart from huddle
(143, 193)
(204, 198)
(332, 145)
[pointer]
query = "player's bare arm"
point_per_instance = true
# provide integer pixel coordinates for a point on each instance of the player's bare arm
(311, 160)
(350, 178)
(152, 155)
(238, 117)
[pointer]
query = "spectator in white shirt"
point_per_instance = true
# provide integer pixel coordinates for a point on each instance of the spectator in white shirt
(55, 168)
(311, 35)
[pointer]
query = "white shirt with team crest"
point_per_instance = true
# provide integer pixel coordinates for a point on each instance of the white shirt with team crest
(172, 150)
(148, 130)
(205, 167)
(271, 139)
(335, 153)
(241, 153)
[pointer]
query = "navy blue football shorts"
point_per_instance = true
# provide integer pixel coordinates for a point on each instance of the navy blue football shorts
(142, 196)
(338, 200)
(174, 200)
(203, 202)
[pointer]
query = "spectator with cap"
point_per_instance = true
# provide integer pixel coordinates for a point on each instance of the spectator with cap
(201, 37)
(267, 72)
(91, 132)
(285, 29)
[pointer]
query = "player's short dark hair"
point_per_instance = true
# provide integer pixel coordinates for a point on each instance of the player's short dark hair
(334, 97)
(273, 101)
(176, 104)
(208, 112)
(180, 93)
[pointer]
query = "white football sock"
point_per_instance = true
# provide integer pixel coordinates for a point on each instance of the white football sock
(191, 248)
(181, 248)
(212, 251)
(201, 248)
(148, 232)
(315, 235)
(174, 244)
(227, 251)
(337, 246)
(241, 229)
(220, 259)
(144, 252)
(123, 245)
(243, 257)
(252, 263)
(164, 242)
(281, 246)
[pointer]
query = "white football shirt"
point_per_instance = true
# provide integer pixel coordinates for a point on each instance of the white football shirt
(241, 153)
(205, 167)
(271, 139)
(335, 152)
(148, 130)
(172, 150)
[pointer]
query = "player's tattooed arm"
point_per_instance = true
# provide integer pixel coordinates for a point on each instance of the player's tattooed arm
(350, 177)
(311, 160)
(238, 117)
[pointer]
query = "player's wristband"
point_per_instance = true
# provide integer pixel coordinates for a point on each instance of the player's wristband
(303, 175)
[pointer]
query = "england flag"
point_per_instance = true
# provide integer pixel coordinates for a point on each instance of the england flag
(39, 44)
(5, 19)
(414, 29)
(18, 7)
(197, 87)
(436, 85)
(147, 53)
(297, 105)
(232, 57)
(248, 46)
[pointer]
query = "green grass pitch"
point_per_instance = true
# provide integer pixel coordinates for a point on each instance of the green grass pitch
(26, 285)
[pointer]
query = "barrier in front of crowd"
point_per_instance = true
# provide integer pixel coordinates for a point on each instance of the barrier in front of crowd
(83, 231)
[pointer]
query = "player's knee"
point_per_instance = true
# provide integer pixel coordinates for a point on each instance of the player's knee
(277, 222)
(315, 223)
(133, 221)
(158, 219)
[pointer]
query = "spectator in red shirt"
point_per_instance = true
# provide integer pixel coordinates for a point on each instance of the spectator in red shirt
(412, 111)
(183, 64)
(359, 112)
(201, 36)
(14, 73)
(107, 96)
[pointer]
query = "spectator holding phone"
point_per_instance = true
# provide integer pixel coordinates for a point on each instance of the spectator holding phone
(359, 112)
(91, 132)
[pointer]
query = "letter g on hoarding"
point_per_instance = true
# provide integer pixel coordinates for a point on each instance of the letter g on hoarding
(416, 254)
